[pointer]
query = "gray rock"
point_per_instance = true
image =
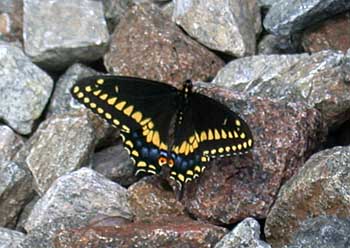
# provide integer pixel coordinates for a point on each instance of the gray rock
(80, 193)
(10, 238)
(15, 192)
(226, 26)
(61, 144)
(322, 232)
(287, 17)
(320, 80)
(266, 4)
(114, 163)
(321, 187)
(57, 33)
(114, 10)
(245, 234)
(24, 89)
(272, 44)
(10, 142)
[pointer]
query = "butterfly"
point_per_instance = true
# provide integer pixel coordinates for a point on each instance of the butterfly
(162, 126)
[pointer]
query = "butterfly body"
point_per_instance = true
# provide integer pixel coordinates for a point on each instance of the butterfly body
(163, 126)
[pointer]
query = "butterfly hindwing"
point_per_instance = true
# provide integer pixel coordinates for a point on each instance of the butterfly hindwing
(142, 109)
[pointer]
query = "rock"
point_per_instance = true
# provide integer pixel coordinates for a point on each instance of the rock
(331, 34)
(24, 89)
(320, 80)
(83, 192)
(11, 20)
(231, 189)
(226, 26)
(51, 36)
(15, 192)
(114, 163)
(272, 44)
(176, 233)
(115, 10)
(245, 234)
(321, 187)
(10, 142)
(287, 17)
(322, 232)
(10, 238)
(150, 199)
(266, 4)
(148, 45)
(60, 145)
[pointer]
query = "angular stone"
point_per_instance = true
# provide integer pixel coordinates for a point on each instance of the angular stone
(245, 234)
(231, 189)
(266, 4)
(288, 17)
(320, 80)
(59, 32)
(11, 20)
(272, 44)
(321, 187)
(148, 45)
(24, 89)
(322, 232)
(10, 238)
(149, 199)
(176, 232)
(226, 26)
(15, 192)
(60, 145)
(80, 193)
(10, 142)
(115, 164)
(114, 10)
(331, 34)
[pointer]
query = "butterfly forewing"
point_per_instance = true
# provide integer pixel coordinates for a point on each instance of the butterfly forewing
(142, 109)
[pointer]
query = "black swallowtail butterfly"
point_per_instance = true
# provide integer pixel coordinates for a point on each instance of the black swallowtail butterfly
(146, 110)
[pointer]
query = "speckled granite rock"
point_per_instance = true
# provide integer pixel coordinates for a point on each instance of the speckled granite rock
(148, 45)
(322, 232)
(245, 234)
(114, 10)
(272, 44)
(11, 20)
(232, 189)
(226, 26)
(320, 80)
(24, 89)
(10, 142)
(10, 238)
(321, 187)
(83, 192)
(59, 32)
(286, 17)
(175, 233)
(15, 191)
(331, 34)
(60, 145)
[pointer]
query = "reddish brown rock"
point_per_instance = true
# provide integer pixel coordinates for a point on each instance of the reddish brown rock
(146, 44)
(234, 188)
(151, 197)
(179, 232)
(331, 34)
(11, 21)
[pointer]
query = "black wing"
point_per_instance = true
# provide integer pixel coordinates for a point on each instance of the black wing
(143, 109)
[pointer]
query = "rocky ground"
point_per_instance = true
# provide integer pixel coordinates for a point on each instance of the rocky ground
(282, 65)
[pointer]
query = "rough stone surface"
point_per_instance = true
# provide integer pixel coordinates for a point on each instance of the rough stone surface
(59, 32)
(231, 189)
(11, 20)
(149, 199)
(24, 89)
(176, 233)
(10, 238)
(226, 26)
(114, 163)
(267, 3)
(321, 80)
(60, 145)
(321, 187)
(272, 44)
(322, 232)
(83, 192)
(114, 10)
(148, 45)
(245, 234)
(330, 34)
(10, 142)
(286, 17)
(15, 191)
